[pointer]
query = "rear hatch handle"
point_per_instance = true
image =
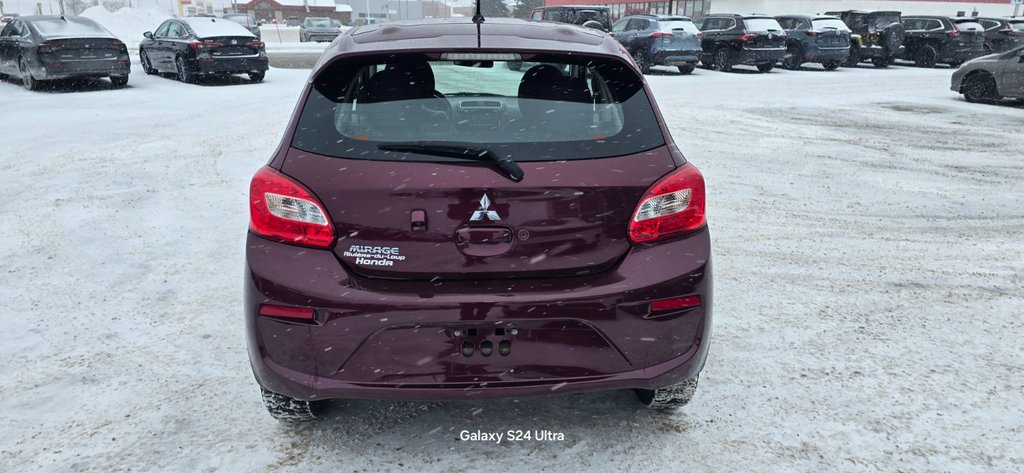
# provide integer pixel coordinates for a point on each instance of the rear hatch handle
(459, 152)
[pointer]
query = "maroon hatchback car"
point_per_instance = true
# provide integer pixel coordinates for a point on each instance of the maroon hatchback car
(439, 225)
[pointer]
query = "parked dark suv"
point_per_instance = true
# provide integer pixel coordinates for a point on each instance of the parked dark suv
(434, 225)
(821, 39)
(877, 36)
(659, 40)
(937, 39)
(575, 15)
(754, 40)
(1001, 34)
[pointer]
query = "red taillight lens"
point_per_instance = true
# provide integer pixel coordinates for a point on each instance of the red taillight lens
(256, 44)
(748, 37)
(47, 48)
(676, 303)
(304, 313)
(283, 210)
(673, 206)
(955, 33)
(813, 34)
(197, 45)
(660, 34)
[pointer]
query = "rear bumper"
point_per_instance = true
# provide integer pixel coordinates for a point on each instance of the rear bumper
(869, 52)
(232, 65)
(962, 54)
(384, 339)
(753, 56)
(668, 57)
(321, 36)
(813, 54)
(66, 70)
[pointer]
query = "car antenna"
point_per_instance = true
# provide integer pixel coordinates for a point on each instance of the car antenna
(478, 18)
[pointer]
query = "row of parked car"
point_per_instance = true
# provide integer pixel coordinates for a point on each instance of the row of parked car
(37, 49)
(846, 38)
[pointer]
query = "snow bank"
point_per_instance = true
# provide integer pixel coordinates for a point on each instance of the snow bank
(127, 24)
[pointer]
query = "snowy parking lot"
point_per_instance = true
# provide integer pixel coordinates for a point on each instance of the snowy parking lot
(869, 289)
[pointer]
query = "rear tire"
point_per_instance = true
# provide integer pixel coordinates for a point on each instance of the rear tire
(722, 61)
(766, 67)
(119, 81)
(793, 60)
(184, 74)
(27, 80)
(980, 88)
(641, 62)
(669, 397)
(831, 65)
(257, 76)
(686, 69)
(289, 409)
(147, 65)
(880, 62)
(955, 64)
(925, 57)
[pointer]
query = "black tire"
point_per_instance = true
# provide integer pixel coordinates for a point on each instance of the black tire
(184, 74)
(119, 81)
(686, 69)
(925, 56)
(980, 88)
(880, 62)
(766, 67)
(514, 65)
(288, 409)
(257, 76)
(27, 80)
(955, 64)
(147, 65)
(722, 61)
(831, 65)
(793, 59)
(641, 61)
(854, 58)
(670, 397)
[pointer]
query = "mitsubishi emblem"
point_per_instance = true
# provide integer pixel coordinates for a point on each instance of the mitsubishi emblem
(485, 212)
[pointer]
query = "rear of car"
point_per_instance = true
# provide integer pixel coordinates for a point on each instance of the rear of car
(437, 225)
(224, 47)
(935, 39)
(729, 40)
(71, 47)
(824, 40)
(876, 36)
(660, 41)
(247, 21)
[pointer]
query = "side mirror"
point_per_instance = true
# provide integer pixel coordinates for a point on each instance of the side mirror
(148, 34)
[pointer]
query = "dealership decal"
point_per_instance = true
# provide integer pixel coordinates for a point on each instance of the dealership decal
(370, 255)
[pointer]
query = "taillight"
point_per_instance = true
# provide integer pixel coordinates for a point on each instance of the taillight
(676, 303)
(748, 37)
(671, 207)
(813, 34)
(282, 209)
(256, 44)
(955, 33)
(47, 48)
(197, 45)
(660, 34)
(288, 312)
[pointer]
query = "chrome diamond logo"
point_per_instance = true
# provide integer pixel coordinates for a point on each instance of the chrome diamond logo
(485, 212)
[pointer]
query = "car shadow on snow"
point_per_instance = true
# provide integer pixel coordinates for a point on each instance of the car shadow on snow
(63, 86)
(434, 429)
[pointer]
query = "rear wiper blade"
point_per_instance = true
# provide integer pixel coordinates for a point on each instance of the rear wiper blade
(459, 152)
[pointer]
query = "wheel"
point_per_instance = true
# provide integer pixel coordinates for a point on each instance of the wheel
(831, 65)
(766, 67)
(723, 60)
(147, 66)
(257, 76)
(854, 58)
(288, 409)
(686, 69)
(27, 80)
(793, 59)
(184, 74)
(119, 81)
(955, 64)
(925, 56)
(514, 65)
(880, 62)
(980, 88)
(302, 39)
(670, 397)
(641, 61)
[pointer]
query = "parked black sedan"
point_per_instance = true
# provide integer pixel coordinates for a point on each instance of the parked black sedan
(1001, 34)
(193, 47)
(42, 48)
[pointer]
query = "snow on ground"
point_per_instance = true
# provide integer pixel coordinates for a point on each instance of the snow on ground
(127, 24)
(868, 265)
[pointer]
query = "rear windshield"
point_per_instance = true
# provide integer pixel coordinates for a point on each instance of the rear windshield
(830, 24)
(1017, 25)
(546, 108)
(670, 25)
(762, 24)
(789, 23)
(70, 27)
(318, 22)
(970, 26)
